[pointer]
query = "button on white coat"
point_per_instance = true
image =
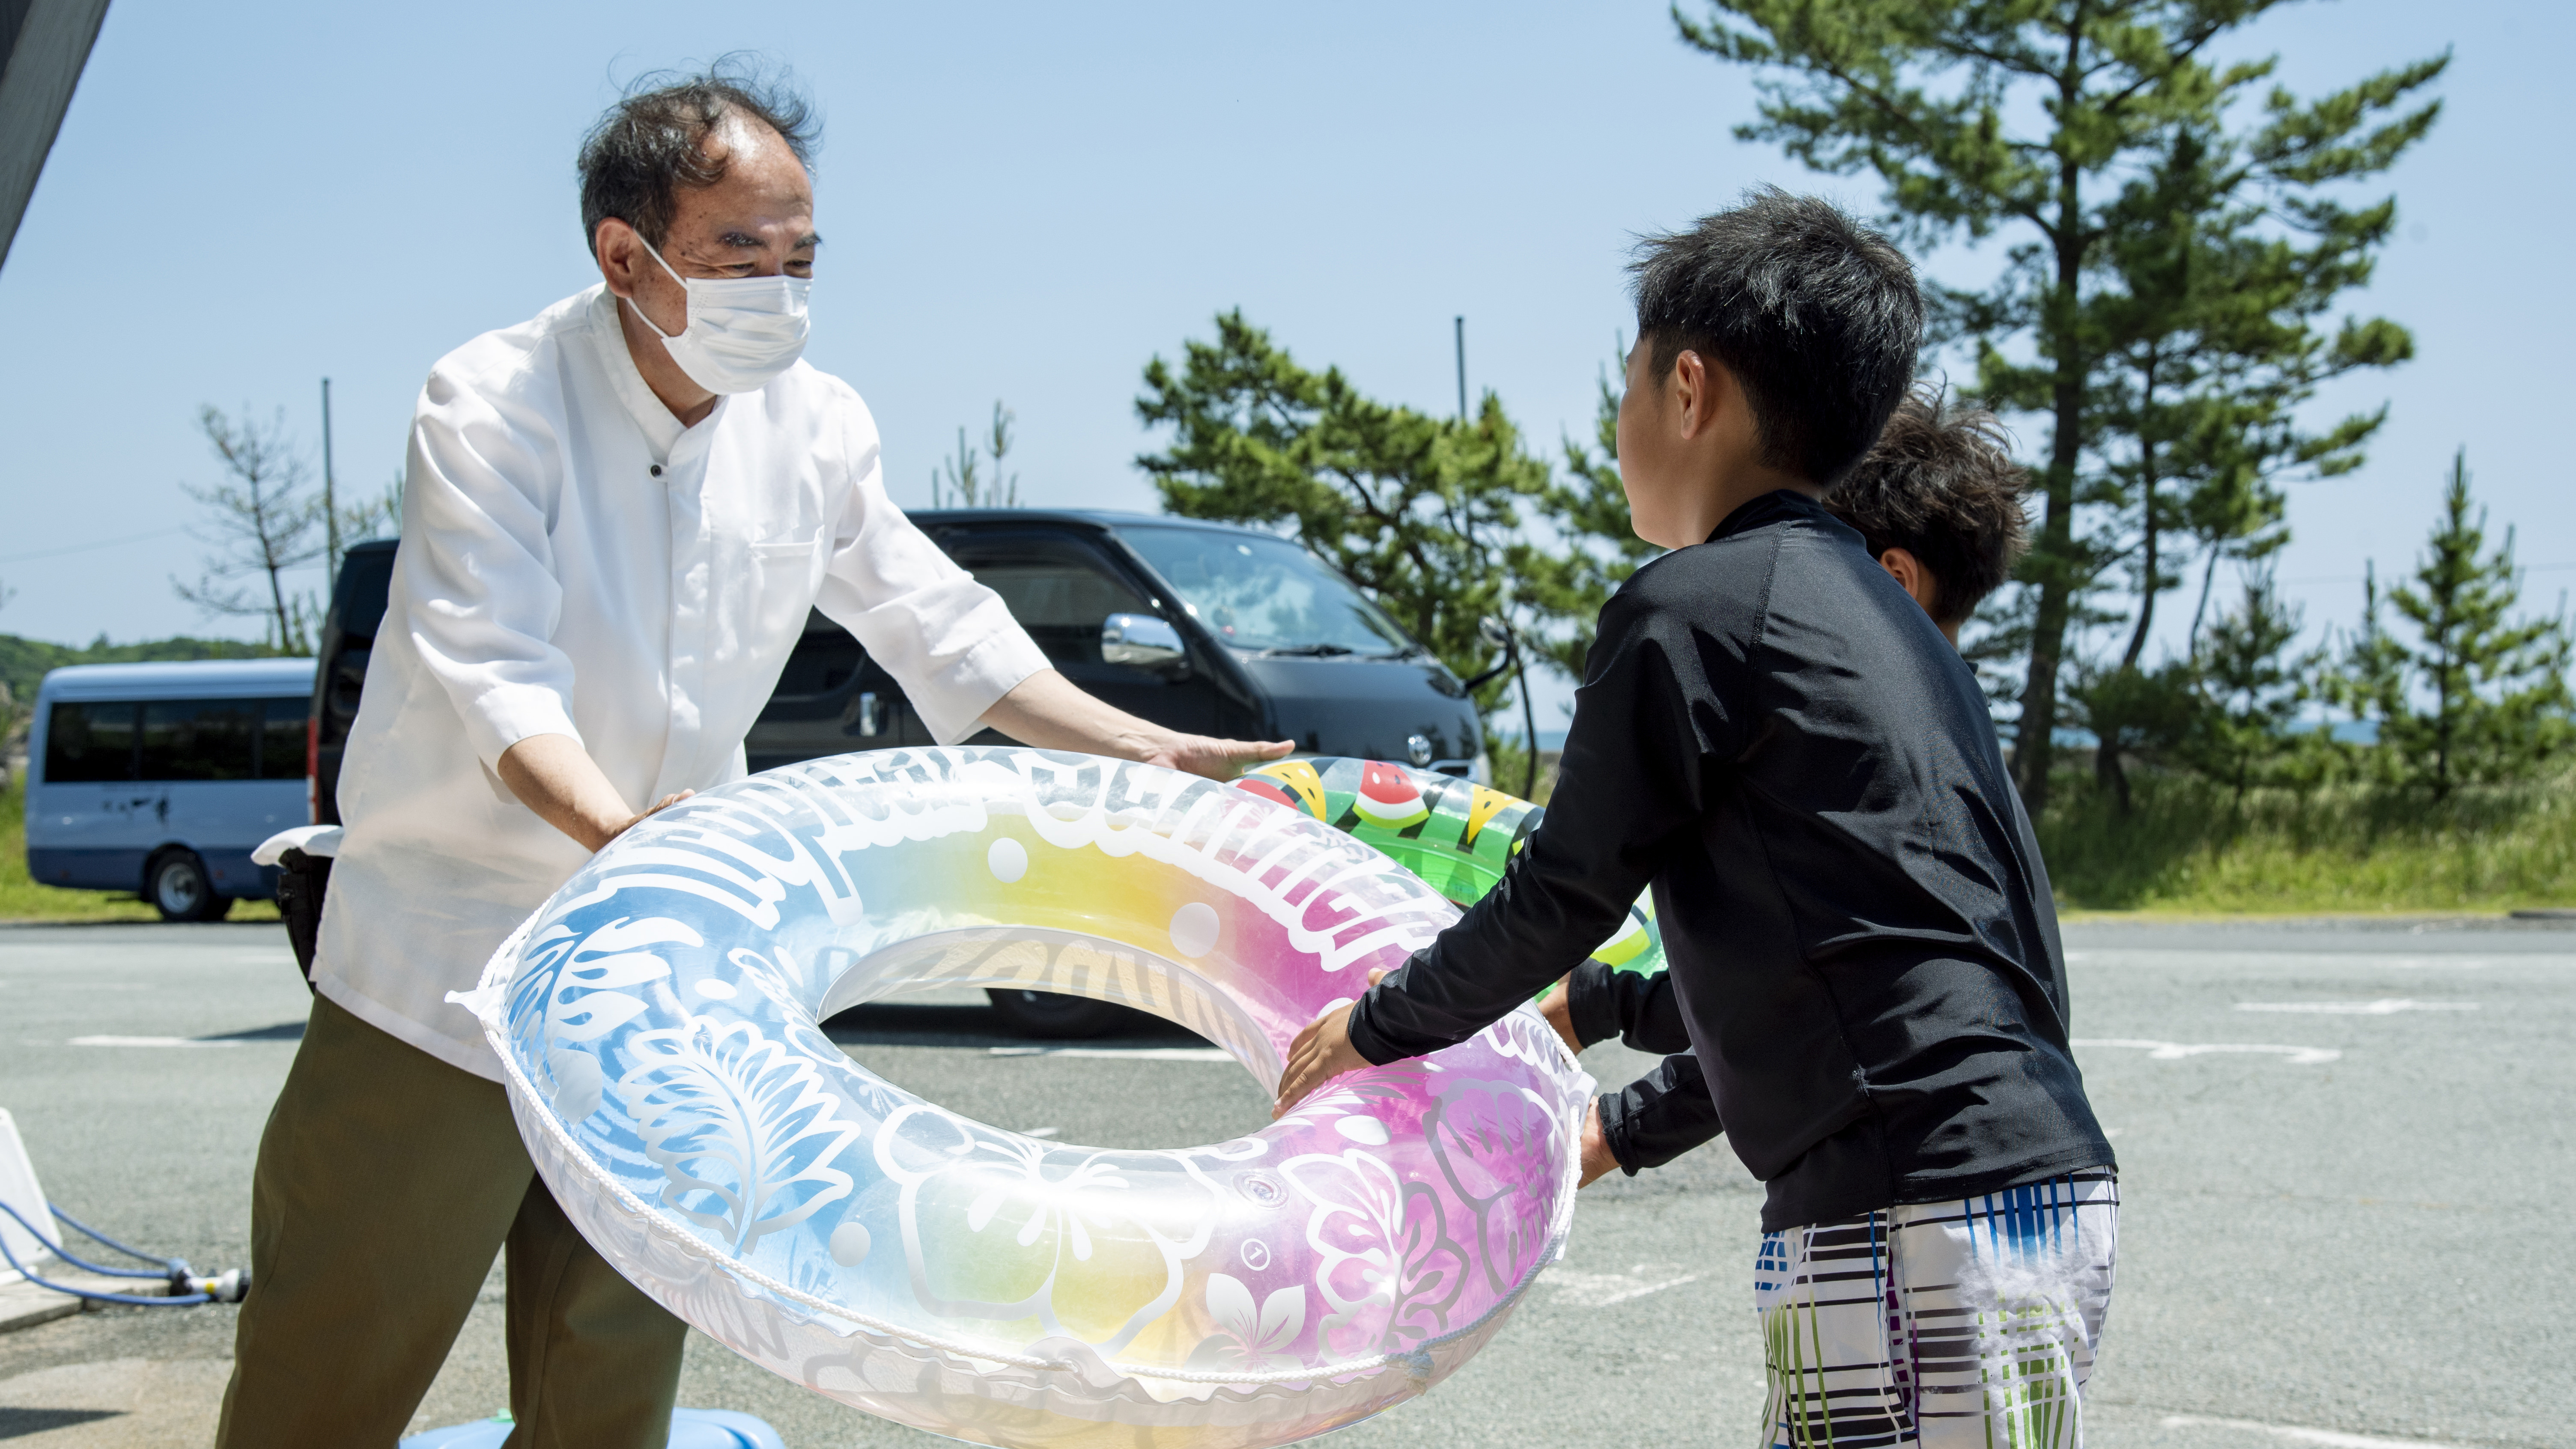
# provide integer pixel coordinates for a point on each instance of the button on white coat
(575, 562)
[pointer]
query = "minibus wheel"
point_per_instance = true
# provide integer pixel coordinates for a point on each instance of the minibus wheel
(176, 885)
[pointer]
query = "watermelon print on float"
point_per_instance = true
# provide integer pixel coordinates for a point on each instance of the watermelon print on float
(1456, 835)
(657, 1025)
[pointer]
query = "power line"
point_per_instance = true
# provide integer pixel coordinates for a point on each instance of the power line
(86, 548)
(2547, 568)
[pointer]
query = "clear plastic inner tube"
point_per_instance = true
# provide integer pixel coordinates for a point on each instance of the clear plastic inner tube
(657, 1024)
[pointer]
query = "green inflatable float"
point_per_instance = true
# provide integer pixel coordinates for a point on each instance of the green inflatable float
(1455, 834)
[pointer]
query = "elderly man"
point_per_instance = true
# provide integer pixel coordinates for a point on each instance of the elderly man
(616, 519)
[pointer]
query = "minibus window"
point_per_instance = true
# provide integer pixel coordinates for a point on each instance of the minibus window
(200, 739)
(85, 743)
(281, 739)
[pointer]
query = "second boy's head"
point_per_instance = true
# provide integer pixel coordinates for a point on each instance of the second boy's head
(1773, 340)
(1938, 501)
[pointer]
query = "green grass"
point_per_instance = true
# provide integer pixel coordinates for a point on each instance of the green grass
(22, 899)
(2188, 848)
(2185, 850)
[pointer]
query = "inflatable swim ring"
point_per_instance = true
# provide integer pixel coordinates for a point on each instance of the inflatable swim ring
(1455, 834)
(656, 1026)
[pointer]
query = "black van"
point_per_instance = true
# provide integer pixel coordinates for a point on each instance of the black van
(1198, 626)
(348, 637)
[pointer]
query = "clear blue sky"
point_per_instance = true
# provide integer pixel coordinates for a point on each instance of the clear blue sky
(1026, 202)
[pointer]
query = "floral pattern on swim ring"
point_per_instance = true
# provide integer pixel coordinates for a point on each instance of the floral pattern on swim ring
(938, 1271)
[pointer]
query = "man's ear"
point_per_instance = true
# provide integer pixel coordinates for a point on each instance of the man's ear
(615, 245)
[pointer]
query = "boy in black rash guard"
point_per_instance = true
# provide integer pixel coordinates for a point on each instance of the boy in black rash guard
(1938, 503)
(1778, 738)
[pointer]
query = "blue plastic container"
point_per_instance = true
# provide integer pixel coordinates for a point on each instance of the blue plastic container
(690, 1429)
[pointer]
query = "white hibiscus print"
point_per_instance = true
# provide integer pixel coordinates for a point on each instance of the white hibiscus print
(1254, 1340)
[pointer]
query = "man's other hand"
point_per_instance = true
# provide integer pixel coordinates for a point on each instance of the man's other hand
(1320, 1053)
(555, 777)
(665, 803)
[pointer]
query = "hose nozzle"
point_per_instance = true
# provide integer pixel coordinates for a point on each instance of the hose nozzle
(231, 1287)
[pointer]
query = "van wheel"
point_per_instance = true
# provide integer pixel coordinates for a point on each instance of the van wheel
(177, 887)
(1048, 1014)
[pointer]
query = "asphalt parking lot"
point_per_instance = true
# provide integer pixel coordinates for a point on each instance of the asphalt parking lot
(2340, 1148)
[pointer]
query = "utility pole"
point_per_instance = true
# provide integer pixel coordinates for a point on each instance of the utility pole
(1462, 369)
(330, 500)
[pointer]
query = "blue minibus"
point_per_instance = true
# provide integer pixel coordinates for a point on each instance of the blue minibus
(161, 778)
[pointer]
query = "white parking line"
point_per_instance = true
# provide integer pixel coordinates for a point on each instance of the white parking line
(1122, 1054)
(2385, 1006)
(2332, 1438)
(1649, 1288)
(1601, 1290)
(2174, 1051)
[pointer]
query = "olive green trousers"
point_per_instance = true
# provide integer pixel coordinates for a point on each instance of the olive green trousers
(387, 1180)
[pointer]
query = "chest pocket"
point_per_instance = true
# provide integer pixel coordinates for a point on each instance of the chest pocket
(779, 593)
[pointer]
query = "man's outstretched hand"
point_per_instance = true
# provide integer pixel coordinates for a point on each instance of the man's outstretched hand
(1214, 758)
(1048, 711)
(1320, 1053)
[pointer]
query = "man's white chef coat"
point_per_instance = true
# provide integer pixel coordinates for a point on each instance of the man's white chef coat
(574, 562)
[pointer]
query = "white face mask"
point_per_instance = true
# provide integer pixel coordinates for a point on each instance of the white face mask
(742, 331)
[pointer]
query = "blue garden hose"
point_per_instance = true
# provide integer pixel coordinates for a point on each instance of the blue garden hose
(186, 1287)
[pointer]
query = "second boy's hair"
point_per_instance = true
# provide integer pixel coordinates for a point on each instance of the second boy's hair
(1940, 485)
(1817, 317)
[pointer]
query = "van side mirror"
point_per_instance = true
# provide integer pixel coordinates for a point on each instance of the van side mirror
(1141, 640)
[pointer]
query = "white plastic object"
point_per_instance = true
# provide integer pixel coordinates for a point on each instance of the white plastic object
(20, 1190)
(319, 841)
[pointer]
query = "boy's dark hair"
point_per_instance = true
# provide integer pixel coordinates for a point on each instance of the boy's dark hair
(1940, 485)
(648, 145)
(1816, 316)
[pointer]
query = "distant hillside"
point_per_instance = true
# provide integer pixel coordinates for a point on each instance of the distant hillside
(23, 662)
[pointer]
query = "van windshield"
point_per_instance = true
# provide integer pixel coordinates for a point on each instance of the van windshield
(1266, 593)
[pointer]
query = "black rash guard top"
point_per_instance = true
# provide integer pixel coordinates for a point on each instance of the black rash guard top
(1858, 924)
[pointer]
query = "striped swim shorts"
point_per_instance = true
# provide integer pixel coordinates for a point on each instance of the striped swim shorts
(1941, 1325)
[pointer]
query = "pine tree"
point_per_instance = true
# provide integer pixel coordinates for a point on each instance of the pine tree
(1422, 512)
(1596, 547)
(2497, 691)
(2034, 122)
(2134, 714)
(960, 482)
(2254, 687)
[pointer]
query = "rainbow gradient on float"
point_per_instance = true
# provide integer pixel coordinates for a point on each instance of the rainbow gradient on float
(657, 1022)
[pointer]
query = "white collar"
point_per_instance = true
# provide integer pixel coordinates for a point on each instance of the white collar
(662, 431)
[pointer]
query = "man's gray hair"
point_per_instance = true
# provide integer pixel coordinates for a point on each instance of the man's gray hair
(652, 143)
